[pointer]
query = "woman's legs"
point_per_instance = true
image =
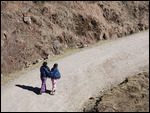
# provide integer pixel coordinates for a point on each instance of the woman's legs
(43, 86)
(53, 85)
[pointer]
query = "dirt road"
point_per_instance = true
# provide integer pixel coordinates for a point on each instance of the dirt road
(84, 74)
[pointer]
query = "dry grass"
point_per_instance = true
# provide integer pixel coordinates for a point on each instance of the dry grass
(132, 95)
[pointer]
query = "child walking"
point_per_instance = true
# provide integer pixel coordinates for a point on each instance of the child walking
(44, 71)
(55, 75)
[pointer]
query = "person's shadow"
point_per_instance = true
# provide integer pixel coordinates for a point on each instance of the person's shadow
(36, 90)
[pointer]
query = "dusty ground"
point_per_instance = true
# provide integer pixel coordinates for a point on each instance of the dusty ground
(84, 74)
(32, 31)
(131, 95)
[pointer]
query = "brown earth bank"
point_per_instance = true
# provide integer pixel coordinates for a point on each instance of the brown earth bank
(32, 31)
(132, 95)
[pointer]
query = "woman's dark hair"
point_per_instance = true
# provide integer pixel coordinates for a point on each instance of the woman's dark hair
(44, 63)
(55, 65)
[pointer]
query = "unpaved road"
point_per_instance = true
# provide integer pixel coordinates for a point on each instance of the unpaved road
(84, 74)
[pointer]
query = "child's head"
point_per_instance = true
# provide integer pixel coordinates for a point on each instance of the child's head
(55, 65)
(45, 64)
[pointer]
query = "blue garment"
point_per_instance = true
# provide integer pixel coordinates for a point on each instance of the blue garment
(55, 74)
(44, 71)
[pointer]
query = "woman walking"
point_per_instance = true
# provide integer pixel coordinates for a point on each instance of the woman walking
(55, 75)
(44, 73)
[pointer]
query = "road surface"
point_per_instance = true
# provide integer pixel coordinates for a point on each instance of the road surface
(84, 74)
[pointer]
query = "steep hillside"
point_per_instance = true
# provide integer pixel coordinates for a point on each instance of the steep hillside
(36, 30)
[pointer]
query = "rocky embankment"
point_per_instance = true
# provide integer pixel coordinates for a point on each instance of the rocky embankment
(132, 95)
(32, 31)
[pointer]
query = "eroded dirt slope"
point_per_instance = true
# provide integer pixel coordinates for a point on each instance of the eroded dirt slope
(35, 30)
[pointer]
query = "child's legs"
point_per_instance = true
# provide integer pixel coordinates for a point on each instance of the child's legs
(43, 87)
(53, 84)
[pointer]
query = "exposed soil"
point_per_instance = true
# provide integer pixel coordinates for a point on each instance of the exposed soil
(131, 95)
(32, 31)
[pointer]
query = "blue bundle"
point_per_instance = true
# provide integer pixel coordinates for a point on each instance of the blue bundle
(54, 74)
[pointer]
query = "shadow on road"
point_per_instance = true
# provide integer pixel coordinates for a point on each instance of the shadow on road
(36, 90)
